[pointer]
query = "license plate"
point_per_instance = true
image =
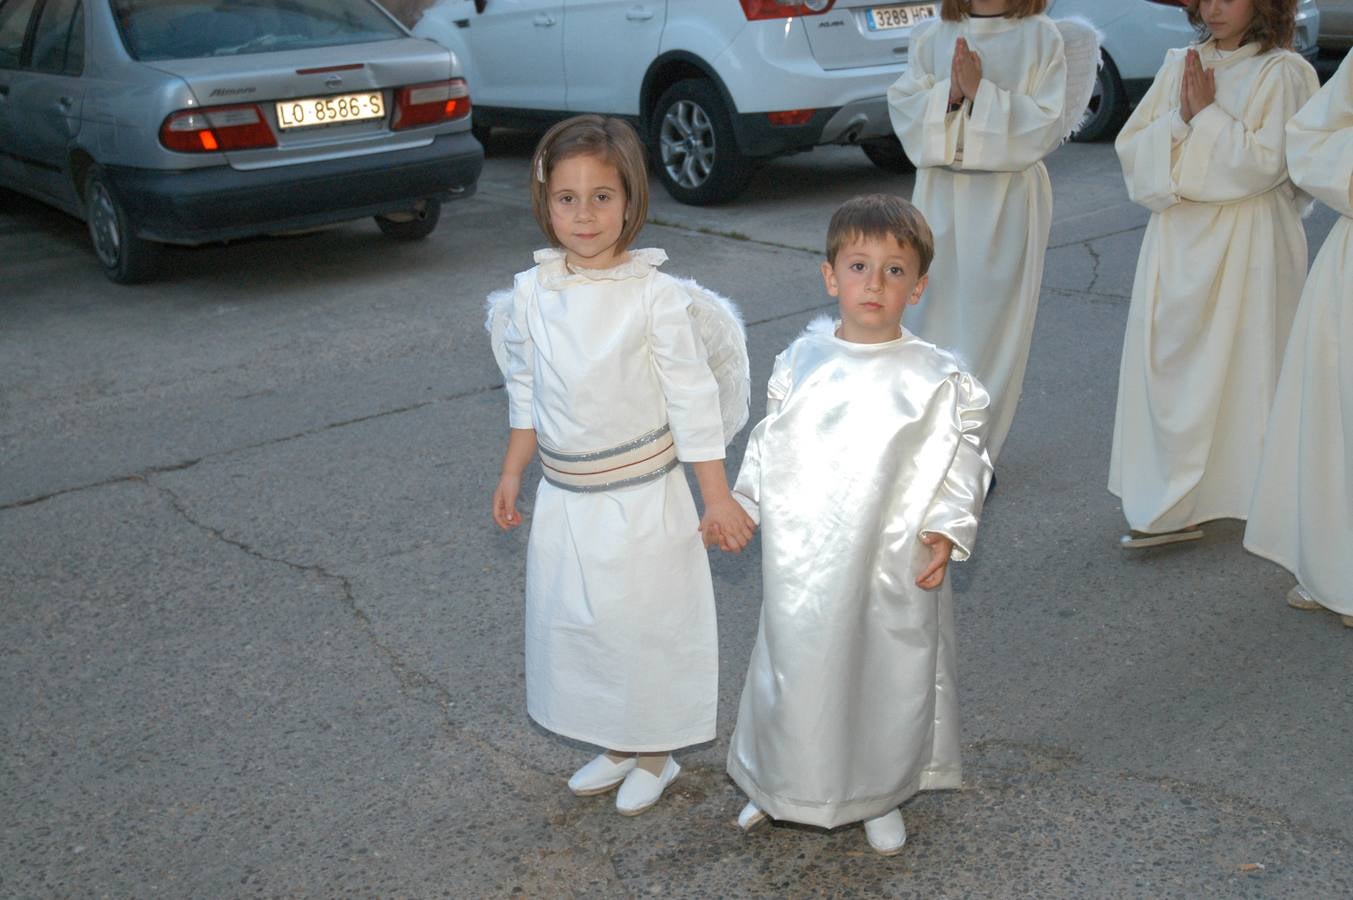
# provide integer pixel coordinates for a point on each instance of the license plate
(307, 111)
(884, 18)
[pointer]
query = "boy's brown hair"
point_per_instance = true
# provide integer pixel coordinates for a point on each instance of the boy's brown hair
(610, 139)
(879, 216)
(957, 10)
(1274, 23)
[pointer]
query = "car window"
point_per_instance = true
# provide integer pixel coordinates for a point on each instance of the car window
(59, 39)
(184, 29)
(14, 16)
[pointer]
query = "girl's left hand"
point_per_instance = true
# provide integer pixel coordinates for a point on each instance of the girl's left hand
(940, 549)
(726, 525)
(967, 69)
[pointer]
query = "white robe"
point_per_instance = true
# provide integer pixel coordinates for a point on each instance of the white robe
(621, 648)
(849, 705)
(983, 188)
(1302, 516)
(1217, 283)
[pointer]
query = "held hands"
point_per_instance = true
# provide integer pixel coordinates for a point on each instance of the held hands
(965, 73)
(505, 511)
(1197, 89)
(940, 548)
(726, 524)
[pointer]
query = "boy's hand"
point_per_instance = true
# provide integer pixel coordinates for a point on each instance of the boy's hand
(940, 549)
(726, 525)
(505, 502)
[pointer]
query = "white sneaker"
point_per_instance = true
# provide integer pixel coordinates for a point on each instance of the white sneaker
(1300, 598)
(643, 789)
(886, 834)
(599, 776)
(751, 816)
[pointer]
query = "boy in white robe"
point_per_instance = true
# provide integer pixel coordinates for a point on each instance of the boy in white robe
(1302, 514)
(867, 476)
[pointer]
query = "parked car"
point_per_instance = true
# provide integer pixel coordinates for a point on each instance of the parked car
(194, 121)
(1136, 35)
(713, 85)
(1336, 24)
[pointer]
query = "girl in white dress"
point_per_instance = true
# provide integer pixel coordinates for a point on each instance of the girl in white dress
(1302, 517)
(1220, 270)
(609, 382)
(982, 102)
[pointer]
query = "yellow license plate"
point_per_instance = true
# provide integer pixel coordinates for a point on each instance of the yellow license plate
(885, 18)
(306, 111)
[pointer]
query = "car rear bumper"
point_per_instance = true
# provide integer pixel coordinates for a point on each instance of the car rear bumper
(199, 206)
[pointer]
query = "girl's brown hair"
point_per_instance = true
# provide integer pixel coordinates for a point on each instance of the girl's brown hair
(610, 139)
(957, 10)
(1274, 23)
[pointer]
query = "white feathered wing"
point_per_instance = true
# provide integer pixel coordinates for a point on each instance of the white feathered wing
(1080, 42)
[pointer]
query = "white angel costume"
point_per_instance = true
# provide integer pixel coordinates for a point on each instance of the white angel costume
(1216, 287)
(612, 369)
(850, 702)
(1302, 514)
(982, 185)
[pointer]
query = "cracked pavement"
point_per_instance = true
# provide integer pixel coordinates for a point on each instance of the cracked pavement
(261, 638)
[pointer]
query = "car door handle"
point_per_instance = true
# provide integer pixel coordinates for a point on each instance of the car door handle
(63, 102)
(543, 20)
(639, 14)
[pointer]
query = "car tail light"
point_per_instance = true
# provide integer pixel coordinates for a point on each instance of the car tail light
(780, 9)
(215, 128)
(791, 116)
(428, 104)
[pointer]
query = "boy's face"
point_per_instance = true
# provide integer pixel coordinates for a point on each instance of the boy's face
(874, 279)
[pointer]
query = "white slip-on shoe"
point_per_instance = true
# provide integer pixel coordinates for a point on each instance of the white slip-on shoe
(1140, 540)
(886, 834)
(1300, 598)
(751, 816)
(643, 789)
(600, 775)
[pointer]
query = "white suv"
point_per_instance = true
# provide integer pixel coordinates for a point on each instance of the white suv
(712, 85)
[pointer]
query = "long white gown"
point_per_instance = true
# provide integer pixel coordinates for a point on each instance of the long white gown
(850, 701)
(1302, 516)
(982, 186)
(1217, 283)
(621, 647)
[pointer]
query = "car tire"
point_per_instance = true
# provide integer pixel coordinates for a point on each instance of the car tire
(1109, 106)
(482, 133)
(695, 152)
(125, 257)
(413, 225)
(888, 155)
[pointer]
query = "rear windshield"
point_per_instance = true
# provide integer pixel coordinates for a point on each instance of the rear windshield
(185, 29)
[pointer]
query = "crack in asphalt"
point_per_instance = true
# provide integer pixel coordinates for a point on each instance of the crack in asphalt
(1095, 258)
(1097, 237)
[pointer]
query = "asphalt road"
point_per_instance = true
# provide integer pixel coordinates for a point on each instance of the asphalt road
(261, 638)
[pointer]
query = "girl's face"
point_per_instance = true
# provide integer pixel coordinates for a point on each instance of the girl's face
(587, 210)
(1228, 20)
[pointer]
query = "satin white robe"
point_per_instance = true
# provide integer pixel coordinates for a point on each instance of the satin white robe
(1302, 515)
(849, 706)
(983, 188)
(1217, 284)
(621, 648)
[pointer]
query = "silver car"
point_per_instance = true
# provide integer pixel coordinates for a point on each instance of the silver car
(194, 121)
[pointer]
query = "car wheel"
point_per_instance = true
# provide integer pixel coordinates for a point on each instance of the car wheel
(413, 225)
(698, 159)
(888, 155)
(1108, 106)
(126, 258)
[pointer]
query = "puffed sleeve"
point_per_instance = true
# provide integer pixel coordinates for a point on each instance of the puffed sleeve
(1320, 142)
(1009, 131)
(688, 385)
(747, 487)
(520, 355)
(1229, 156)
(958, 504)
(1149, 141)
(918, 105)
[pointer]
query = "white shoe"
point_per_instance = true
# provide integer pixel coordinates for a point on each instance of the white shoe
(751, 816)
(886, 834)
(1300, 598)
(1140, 540)
(599, 776)
(643, 789)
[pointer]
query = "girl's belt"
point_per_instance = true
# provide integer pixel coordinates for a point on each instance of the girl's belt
(647, 457)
